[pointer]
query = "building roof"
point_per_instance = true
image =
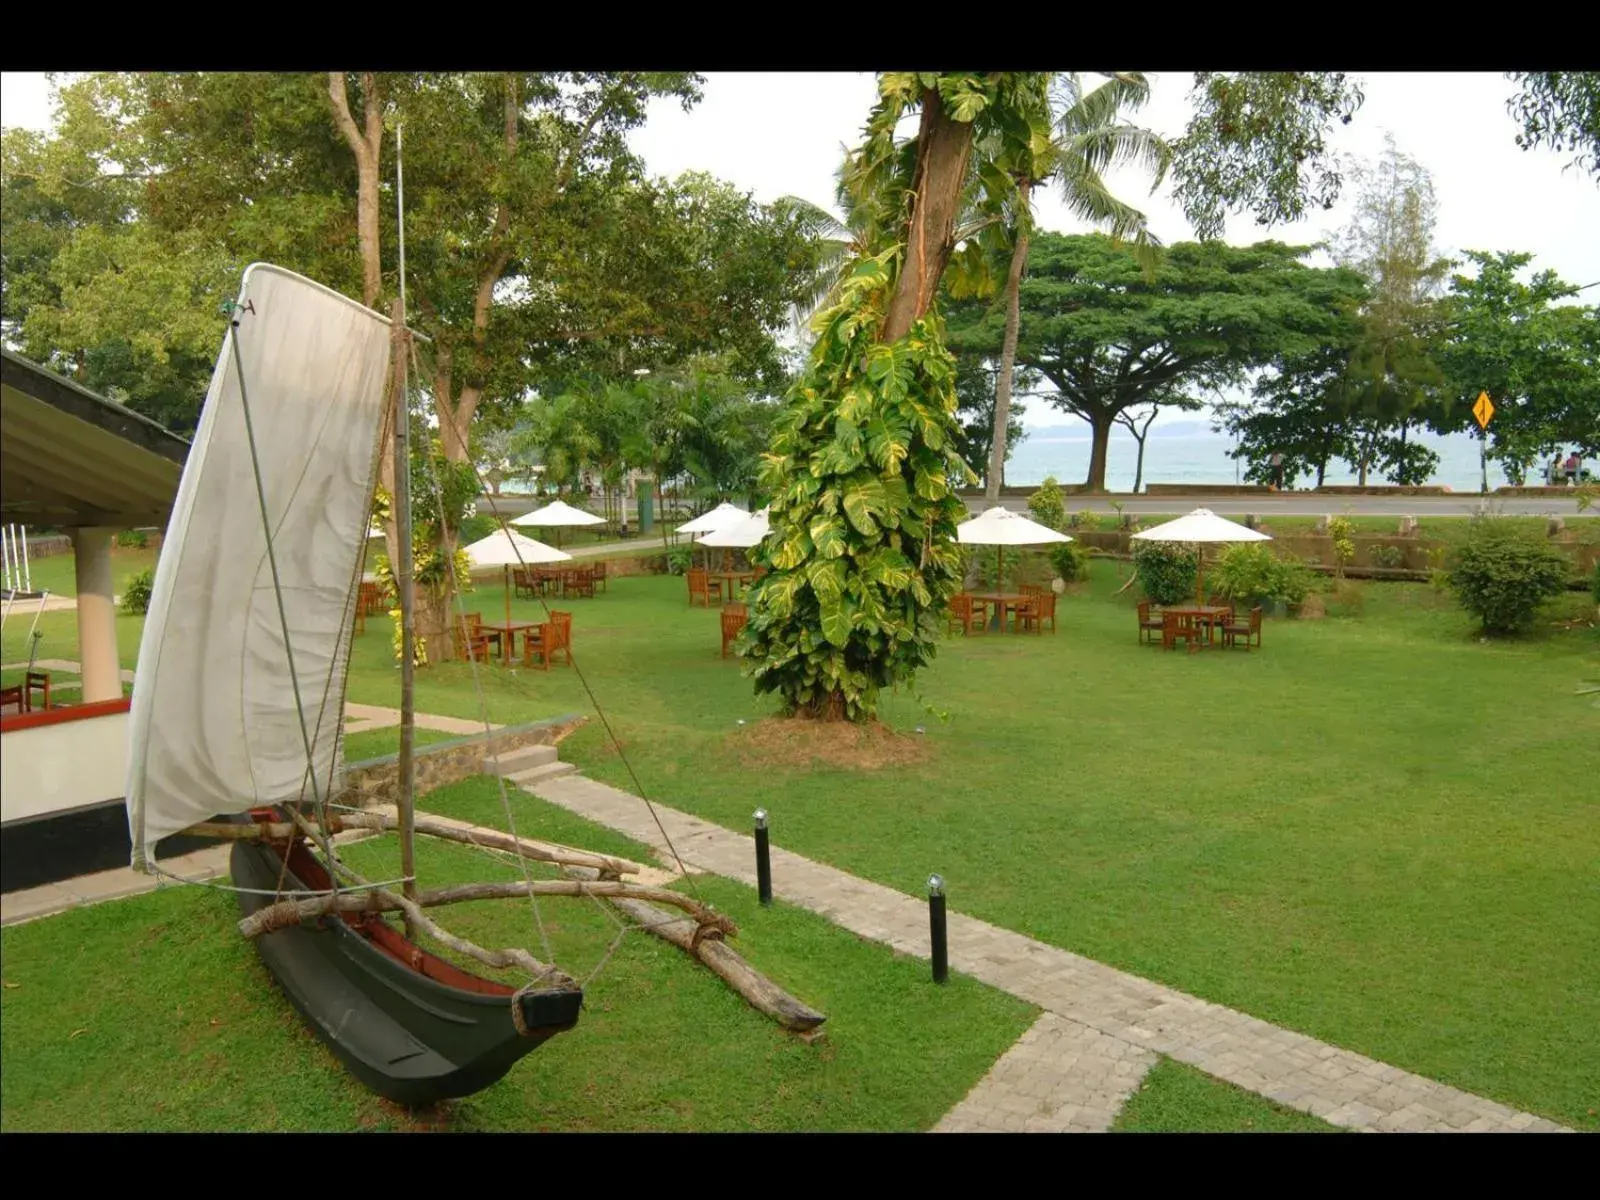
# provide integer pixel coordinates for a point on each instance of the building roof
(69, 457)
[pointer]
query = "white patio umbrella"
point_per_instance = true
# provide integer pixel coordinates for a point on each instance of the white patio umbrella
(710, 522)
(1197, 529)
(1000, 527)
(557, 514)
(747, 531)
(506, 548)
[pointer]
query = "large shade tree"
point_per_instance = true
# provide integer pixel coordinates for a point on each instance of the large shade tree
(1109, 336)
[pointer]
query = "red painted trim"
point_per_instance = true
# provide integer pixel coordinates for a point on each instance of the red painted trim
(62, 714)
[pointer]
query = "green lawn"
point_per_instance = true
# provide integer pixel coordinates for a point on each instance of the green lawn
(1378, 830)
(192, 1036)
(1175, 1098)
(1375, 831)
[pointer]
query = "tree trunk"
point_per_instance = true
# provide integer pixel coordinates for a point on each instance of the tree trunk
(943, 147)
(1101, 427)
(1138, 465)
(1008, 353)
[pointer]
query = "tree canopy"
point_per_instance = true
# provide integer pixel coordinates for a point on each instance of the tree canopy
(1108, 335)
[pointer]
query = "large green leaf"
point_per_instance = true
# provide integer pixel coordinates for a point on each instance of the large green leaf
(827, 535)
(864, 499)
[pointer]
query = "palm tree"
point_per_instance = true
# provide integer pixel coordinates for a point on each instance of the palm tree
(1088, 137)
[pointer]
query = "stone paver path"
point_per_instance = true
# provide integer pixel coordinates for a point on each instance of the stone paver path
(117, 884)
(1341, 1087)
(1060, 1077)
(361, 717)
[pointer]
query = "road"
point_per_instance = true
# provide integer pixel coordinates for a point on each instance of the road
(1310, 504)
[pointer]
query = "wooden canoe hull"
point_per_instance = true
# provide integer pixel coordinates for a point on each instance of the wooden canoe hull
(411, 1027)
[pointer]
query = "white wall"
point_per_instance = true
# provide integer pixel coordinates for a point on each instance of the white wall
(68, 765)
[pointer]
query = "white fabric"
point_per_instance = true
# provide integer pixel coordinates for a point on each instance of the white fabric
(1002, 527)
(1202, 525)
(501, 548)
(213, 727)
(741, 534)
(722, 514)
(558, 512)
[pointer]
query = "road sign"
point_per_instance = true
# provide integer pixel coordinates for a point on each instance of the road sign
(1483, 410)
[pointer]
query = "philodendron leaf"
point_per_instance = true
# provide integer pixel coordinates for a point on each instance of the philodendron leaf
(827, 535)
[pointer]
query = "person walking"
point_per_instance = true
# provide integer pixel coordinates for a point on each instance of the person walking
(1277, 471)
(1552, 473)
(1574, 470)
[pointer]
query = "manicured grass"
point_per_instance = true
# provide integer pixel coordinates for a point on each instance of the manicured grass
(1375, 830)
(375, 743)
(1175, 1098)
(193, 1036)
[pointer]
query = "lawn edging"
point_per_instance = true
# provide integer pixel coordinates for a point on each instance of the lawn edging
(375, 781)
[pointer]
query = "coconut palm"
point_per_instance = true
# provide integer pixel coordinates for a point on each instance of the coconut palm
(1087, 138)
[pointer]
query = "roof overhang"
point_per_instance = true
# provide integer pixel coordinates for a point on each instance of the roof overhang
(69, 457)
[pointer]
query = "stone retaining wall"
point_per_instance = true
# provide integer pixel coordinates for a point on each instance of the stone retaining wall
(376, 780)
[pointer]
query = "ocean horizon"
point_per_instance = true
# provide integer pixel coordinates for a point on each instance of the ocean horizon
(1192, 452)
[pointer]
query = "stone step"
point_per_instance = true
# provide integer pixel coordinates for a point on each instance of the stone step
(527, 780)
(510, 762)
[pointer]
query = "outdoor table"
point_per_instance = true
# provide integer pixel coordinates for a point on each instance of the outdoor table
(507, 634)
(1001, 602)
(732, 580)
(1208, 615)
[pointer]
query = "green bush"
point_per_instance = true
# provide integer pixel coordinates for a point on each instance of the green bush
(1070, 561)
(136, 594)
(679, 559)
(1166, 571)
(1250, 571)
(1388, 556)
(475, 527)
(1503, 575)
(1046, 505)
(1085, 519)
(133, 539)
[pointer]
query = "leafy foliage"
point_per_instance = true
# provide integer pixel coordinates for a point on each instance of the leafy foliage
(1560, 109)
(1070, 561)
(1166, 571)
(1251, 571)
(1342, 531)
(136, 592)
(1257, 143)
(1046, 505)
(1503, 574)
(861, 475)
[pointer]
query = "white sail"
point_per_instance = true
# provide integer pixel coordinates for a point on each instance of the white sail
(214, 727)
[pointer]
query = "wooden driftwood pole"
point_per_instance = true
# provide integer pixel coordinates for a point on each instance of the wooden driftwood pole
(292, 912)
(726, 962)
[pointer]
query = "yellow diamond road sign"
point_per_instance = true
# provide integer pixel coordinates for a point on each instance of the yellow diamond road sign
(1483, 410)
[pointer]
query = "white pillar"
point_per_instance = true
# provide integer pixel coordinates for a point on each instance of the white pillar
(97, 615)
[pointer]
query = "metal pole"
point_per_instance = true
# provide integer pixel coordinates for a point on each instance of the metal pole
(27, 572)
(763, 859)
(936, 929)
(5, 555)
(1483, 458)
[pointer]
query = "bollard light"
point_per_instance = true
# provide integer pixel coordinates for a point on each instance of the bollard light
(763, 859)
(936, 929)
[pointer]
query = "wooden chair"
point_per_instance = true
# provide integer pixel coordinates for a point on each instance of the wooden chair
(1031, 589)
(597, 575)
(702, 587)
(1175, 629)
(36, 681)
(1148, 626)
(523, 583)
(1249, 629)
(369, 599)
(734, 618)
(472, 640)
(971, 617)
(1038, 608)
(580, 582)
(13, 697)
(553, 639)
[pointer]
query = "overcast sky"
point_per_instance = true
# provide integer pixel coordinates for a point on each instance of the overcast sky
(751, 130)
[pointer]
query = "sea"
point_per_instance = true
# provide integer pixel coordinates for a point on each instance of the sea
(1192, 452)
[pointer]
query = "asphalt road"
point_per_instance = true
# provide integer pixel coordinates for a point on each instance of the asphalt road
(1309, 504)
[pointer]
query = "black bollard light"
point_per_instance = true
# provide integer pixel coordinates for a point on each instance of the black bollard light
(941, 949)
(763, 859)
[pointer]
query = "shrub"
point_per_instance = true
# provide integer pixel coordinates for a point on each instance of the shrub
(1046, 506)
(1249, 570)
(136, 593)
(1166, 571)
(679, 559)
(133, 539)
(1388, 556)
(476, 527)
(1084, 519)
(1341, 530)
(1070, 560)
(1503, 575)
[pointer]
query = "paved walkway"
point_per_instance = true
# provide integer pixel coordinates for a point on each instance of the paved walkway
(1067, 1076)
(359, 718)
